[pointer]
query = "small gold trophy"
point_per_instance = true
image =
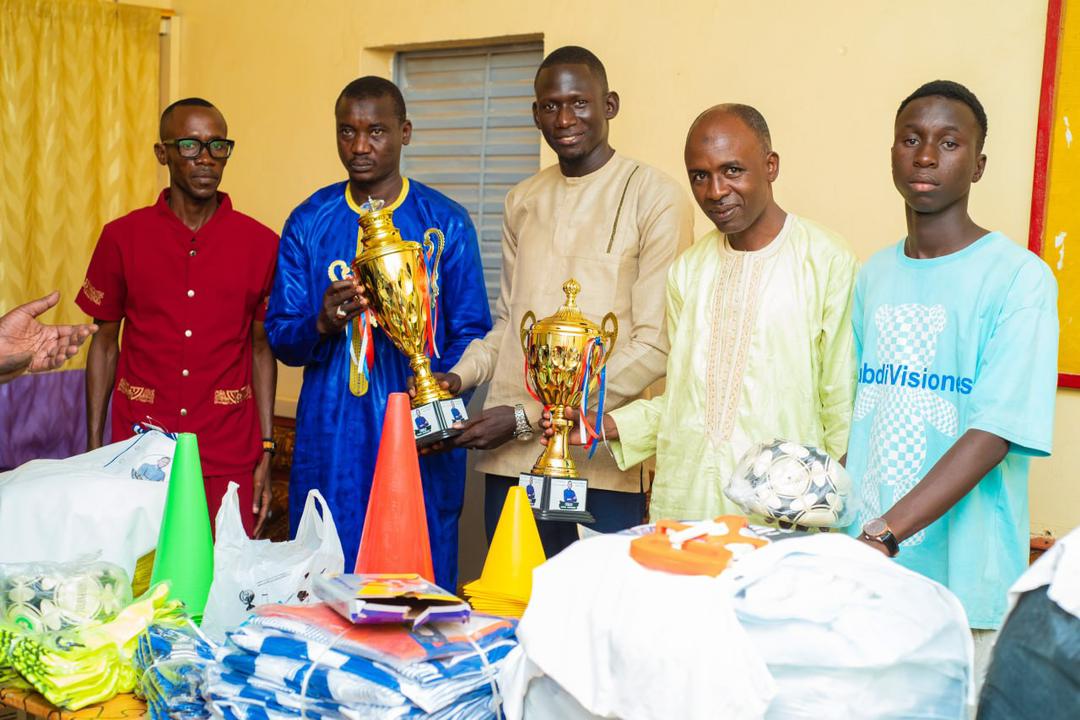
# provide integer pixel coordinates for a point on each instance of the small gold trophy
(564, 356)
(403, 295)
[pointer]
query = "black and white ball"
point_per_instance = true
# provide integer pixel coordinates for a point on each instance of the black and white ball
(792, 483)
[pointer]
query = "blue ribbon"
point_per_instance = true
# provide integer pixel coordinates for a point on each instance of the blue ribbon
(586, 381)
(599, 411)
(432, 264)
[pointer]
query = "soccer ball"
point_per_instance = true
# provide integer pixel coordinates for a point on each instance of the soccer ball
(788, 482)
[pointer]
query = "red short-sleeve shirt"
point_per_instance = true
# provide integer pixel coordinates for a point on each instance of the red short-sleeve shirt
(188, 300)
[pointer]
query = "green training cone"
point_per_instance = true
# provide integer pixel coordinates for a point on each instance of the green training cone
(185, 549)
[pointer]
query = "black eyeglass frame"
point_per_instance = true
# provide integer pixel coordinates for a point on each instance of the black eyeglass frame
(229, 144)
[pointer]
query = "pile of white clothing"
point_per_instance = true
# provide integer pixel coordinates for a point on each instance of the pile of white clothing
(817, 626)
(846, 632)
(628, 642)
(291, 662)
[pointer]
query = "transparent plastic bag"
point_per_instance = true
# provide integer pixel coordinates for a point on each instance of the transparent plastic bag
(85, 664)
(171, 660)
(48, 596)
(793, 485)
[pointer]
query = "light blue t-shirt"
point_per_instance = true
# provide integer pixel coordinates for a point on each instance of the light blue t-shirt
(946, 345)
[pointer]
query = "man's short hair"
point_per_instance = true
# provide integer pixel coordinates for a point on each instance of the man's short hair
(951, 91)
(371, 87)
(186, 102)
(750, 117)
(575, 55)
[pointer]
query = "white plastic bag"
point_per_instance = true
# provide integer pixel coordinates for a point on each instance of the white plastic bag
(109, 500)
(257, 572)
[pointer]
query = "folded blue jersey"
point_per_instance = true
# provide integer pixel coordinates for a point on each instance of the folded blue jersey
(232, 695)
(171, 660)
(339, 684)
(431, 686)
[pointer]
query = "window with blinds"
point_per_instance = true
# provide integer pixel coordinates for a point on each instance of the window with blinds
(473, 133)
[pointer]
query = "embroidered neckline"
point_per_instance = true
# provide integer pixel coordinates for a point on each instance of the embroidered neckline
(393, 206)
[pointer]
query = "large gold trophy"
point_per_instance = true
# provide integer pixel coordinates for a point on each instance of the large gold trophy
(402, 294)
(564, 355)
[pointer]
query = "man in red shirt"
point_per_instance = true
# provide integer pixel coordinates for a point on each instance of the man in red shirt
(189, 279)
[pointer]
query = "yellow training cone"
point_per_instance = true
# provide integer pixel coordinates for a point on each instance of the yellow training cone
(514, 553)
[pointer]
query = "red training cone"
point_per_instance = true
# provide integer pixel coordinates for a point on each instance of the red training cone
(395, 538)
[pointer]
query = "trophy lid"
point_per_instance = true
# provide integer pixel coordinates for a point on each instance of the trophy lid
(568, 318)
(377, 224)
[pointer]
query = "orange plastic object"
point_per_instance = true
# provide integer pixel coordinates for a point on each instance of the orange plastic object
(395, 538)
(702, 555)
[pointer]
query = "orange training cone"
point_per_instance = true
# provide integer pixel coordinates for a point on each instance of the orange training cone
(514, 553)
(395, 538)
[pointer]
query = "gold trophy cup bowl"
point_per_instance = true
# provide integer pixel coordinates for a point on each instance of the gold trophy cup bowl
(558, 351)
(400, 292)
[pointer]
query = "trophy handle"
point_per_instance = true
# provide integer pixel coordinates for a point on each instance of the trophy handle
(429, 247)
(525, 331)
(609, 335)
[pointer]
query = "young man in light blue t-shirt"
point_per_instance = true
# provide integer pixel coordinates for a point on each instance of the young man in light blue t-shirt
(956, 336)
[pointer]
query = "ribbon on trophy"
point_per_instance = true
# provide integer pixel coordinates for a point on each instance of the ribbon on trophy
(588, 432)
(361, 353)
(430, 250)
(357, 333)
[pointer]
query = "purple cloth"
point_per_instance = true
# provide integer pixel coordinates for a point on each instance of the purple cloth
(43, 416)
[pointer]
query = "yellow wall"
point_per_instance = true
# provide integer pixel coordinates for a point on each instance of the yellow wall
(827, 75)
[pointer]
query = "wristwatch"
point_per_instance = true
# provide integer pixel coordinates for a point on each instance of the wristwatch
(269, 446)
(523, 430)
(879, 531)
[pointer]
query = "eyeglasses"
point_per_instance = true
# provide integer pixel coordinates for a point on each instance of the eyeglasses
(192, 147)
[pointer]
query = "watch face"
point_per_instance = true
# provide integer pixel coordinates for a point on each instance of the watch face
(524, 436)
(875, 528)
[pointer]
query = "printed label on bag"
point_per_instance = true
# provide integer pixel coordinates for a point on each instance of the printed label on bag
(140, 579)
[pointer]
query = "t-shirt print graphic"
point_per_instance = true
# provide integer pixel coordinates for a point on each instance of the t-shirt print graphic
(907, 335)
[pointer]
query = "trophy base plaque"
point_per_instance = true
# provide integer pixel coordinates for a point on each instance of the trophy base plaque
(434, 421)
(555, 498)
